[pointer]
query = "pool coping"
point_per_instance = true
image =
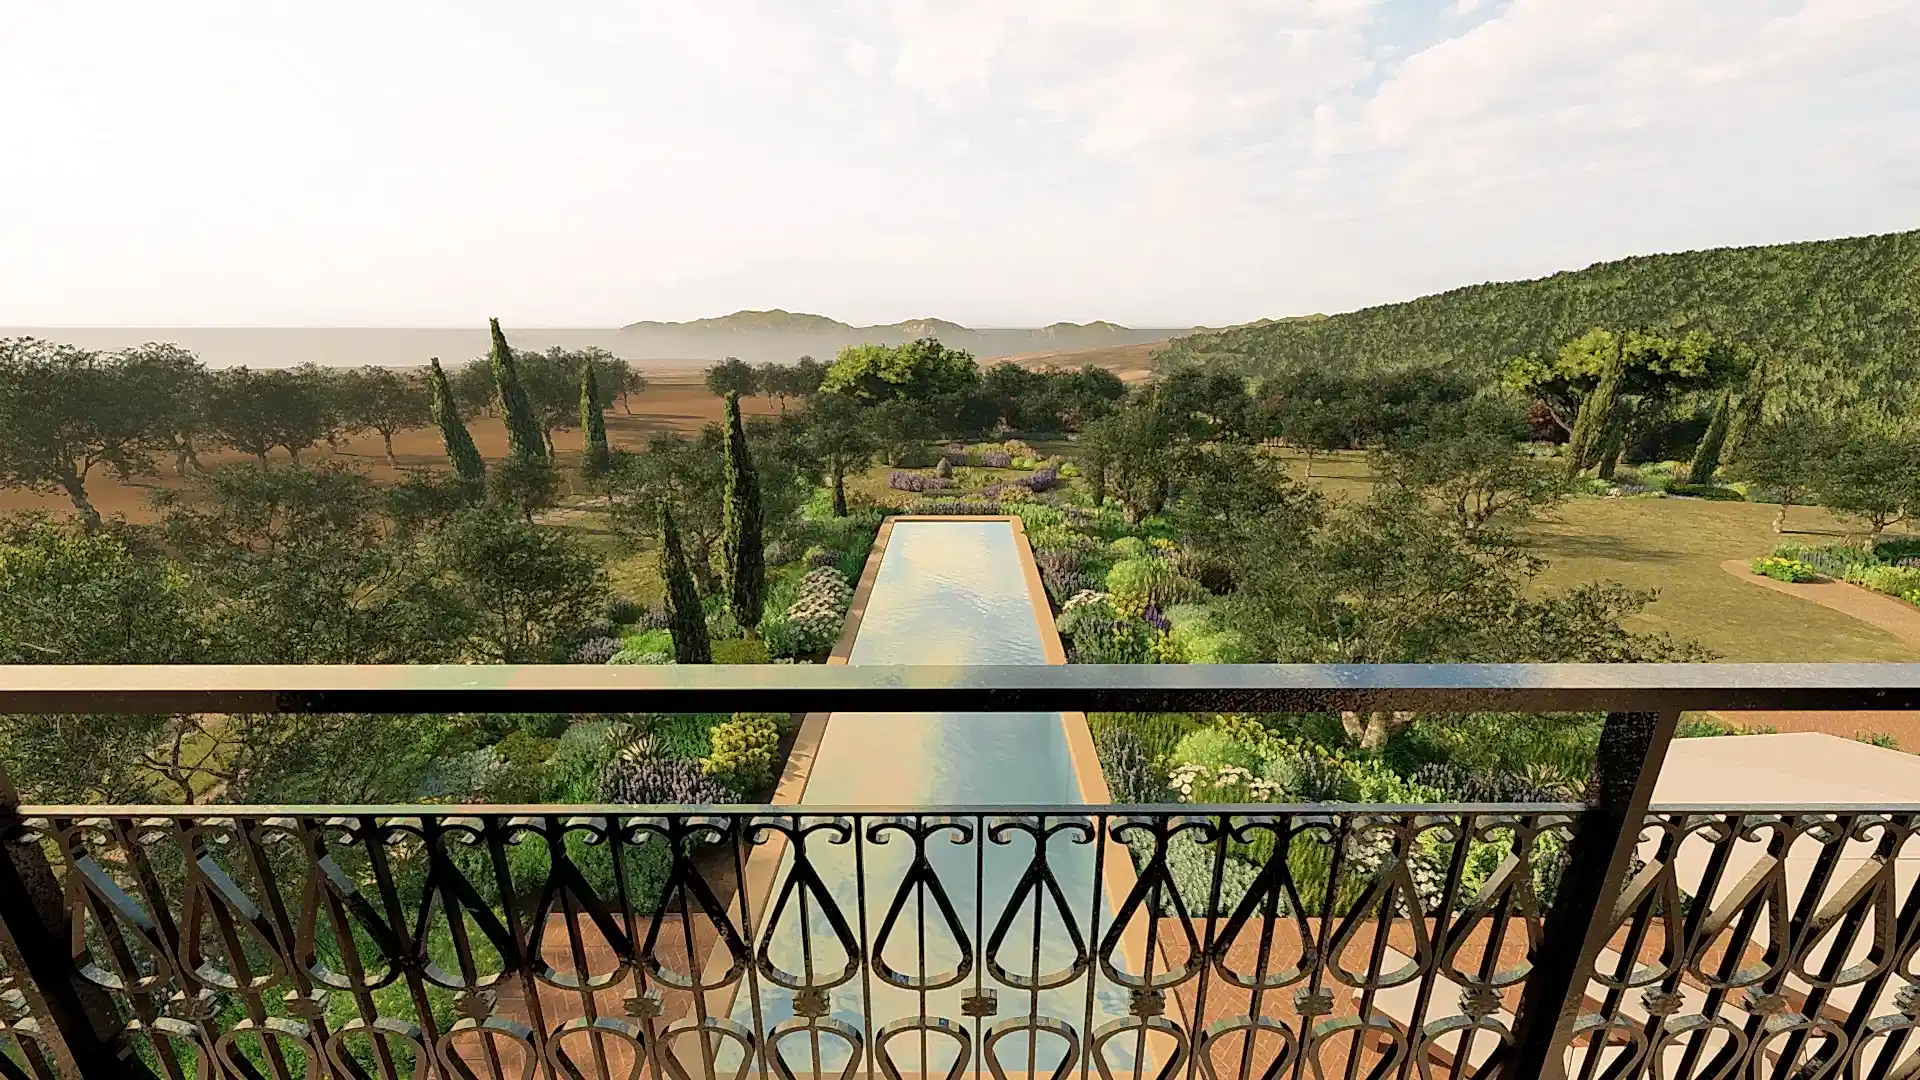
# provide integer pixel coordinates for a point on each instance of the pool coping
(763, 864)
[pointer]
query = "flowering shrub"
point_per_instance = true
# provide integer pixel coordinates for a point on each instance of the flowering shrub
(1138, 582)
(1537, 783)
(1780, 569)
(901, 480)
(1892, 580)
(642, 647)
(1062, 588)
(744, 751)
(815, 617)
(1833, 562)
(996, 459)
(1048, 535)
(596, 650)
(1085, 598)
(640, 775)
(1060, 573)
(957, 509)
(1045, 478)
(1220, 784)
(1097, 634)
(782, 639)
(1056, 561)
(1163, 649)
(1207, 646)
(1305, 776)
(458, 777)
(1131, 776)
(654, 618)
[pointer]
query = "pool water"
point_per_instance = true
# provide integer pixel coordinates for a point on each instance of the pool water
(946, 593)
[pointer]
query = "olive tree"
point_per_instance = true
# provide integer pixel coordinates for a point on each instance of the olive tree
(385, 401)
(66, 411)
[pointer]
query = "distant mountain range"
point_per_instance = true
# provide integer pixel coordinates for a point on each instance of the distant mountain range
(784, 335)
(755, 336)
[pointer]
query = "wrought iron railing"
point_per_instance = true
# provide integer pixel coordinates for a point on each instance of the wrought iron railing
(1607, 938)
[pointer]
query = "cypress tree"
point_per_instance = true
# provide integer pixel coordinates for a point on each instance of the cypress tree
(465, 457)
(1748, 411)
(593, 422)
(742, 563)
(1591, 427)
(685, 621)
(1706, 456)
(1612, 442)
(524, 438)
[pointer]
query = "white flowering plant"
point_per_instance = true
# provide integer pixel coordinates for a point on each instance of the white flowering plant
(1198, 783)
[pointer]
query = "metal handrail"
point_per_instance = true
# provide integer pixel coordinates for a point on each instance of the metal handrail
(912, 688)
(1571, 1018)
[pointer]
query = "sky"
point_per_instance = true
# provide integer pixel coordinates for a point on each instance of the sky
(994, 162)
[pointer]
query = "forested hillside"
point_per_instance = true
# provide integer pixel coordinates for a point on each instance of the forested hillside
(1842, 316)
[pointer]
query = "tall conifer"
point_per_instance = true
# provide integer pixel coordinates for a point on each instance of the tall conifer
(593, 423)
(1706, 456)
(685, 621)
(742, 554)
(524, 438)
(1591, 428)
(1748, 410)
(467, 464)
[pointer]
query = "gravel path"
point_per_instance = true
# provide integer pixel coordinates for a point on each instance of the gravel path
(1900, 619)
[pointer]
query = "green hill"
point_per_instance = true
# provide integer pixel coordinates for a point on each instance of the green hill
(1843, 315)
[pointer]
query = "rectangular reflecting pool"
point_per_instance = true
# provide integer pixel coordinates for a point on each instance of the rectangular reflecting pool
(948, 592)
(949, 917)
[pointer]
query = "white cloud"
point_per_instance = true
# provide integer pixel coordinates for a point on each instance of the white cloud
(995, 161)
(1553, 86)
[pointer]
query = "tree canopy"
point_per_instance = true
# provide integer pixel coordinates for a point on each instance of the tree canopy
(1839, 315)
(65, 412)
(918, 370)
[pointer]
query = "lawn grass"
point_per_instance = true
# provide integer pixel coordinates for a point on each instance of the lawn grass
(1676, 546)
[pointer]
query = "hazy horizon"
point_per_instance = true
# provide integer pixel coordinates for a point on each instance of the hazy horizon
(352, 346)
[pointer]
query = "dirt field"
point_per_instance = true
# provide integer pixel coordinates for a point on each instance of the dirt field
(674, 401)
(1133, 363)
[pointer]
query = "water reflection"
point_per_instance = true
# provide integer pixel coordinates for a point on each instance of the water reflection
(946, 593)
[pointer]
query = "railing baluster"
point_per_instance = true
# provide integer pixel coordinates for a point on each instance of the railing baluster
(1626, 766)
(78, 1022)
(115, 1010)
